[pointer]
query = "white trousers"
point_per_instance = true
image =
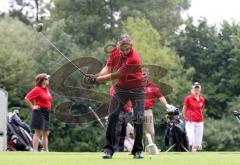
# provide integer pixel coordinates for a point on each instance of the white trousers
(194, 132)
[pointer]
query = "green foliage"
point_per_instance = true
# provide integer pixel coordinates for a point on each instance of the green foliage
(94, 21)
(215, 56)
(49, 59)
(221, 135)
(75, 137)
(165, 16)
(197, 44)
(17, 65)
(234, 105)
(147, 42)
(85, 19)
(20, 16)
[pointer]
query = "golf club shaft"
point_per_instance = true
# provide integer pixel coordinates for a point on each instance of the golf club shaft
(63, 54)
(97, 117)
(238, 118)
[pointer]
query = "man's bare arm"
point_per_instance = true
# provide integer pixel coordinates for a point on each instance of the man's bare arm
(105, 70)
(108, 77)
(184, 111)
(163, 100)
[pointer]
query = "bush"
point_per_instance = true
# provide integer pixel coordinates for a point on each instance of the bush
(221, 135)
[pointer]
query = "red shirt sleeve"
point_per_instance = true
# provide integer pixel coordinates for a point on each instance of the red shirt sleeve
(126, 107)
(109, 62)
(111, 56)
(111, 91)
(186, 102)
(34, 93)
(158, 93)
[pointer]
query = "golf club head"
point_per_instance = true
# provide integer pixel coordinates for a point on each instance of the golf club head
(152, 149)
(38, 27)
(236, 113)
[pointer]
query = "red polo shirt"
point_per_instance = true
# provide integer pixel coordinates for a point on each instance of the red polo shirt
(129, 66)
(194, 108)
(151, 93)
(41, 97)
(126, 106)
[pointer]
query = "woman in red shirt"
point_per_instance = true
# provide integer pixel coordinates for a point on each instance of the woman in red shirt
(192, 113)
(39, 100)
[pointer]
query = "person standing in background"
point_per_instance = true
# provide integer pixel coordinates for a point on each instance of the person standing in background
(192, 113)
(152, 92)
(39, 100)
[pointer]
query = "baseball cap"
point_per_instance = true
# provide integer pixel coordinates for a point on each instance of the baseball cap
(196, 85)
(124, 39)
(41, 77)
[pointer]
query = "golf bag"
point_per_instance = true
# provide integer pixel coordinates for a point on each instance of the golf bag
(18, 133)
(176, 135)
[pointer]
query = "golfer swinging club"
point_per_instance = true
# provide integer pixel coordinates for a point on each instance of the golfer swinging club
(123, 65)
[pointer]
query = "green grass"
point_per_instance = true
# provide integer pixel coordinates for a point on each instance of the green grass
(86, 158)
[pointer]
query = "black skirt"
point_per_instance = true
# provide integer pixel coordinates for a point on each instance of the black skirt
(40, 119)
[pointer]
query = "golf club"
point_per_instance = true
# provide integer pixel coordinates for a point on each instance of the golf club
(151, 148)
(237, 115)
(39, 27)
(97, 117)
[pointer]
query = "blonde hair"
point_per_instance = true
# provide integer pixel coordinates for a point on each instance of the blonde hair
(40, 78)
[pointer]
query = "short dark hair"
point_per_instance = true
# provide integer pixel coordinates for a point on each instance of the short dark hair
(124, 39)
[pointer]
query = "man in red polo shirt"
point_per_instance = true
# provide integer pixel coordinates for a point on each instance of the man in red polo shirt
(151, 93)
(124, 66)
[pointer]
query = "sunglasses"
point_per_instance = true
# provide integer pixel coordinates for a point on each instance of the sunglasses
(47, 77)
(125, 49)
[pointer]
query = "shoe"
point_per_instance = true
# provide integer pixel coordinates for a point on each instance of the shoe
(107, 155)
(138, 155)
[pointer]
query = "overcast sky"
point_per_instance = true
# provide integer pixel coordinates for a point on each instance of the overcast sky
(214, 10)
(3, 5)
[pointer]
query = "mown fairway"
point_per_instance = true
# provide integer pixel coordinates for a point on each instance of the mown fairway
(86, 158)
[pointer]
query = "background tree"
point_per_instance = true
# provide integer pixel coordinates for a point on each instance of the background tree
(147, 41)
(94, 21)
(214, 55)
(29, 11)
(16, 52)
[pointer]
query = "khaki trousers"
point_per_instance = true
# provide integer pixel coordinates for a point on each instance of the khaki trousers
(148, 126)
